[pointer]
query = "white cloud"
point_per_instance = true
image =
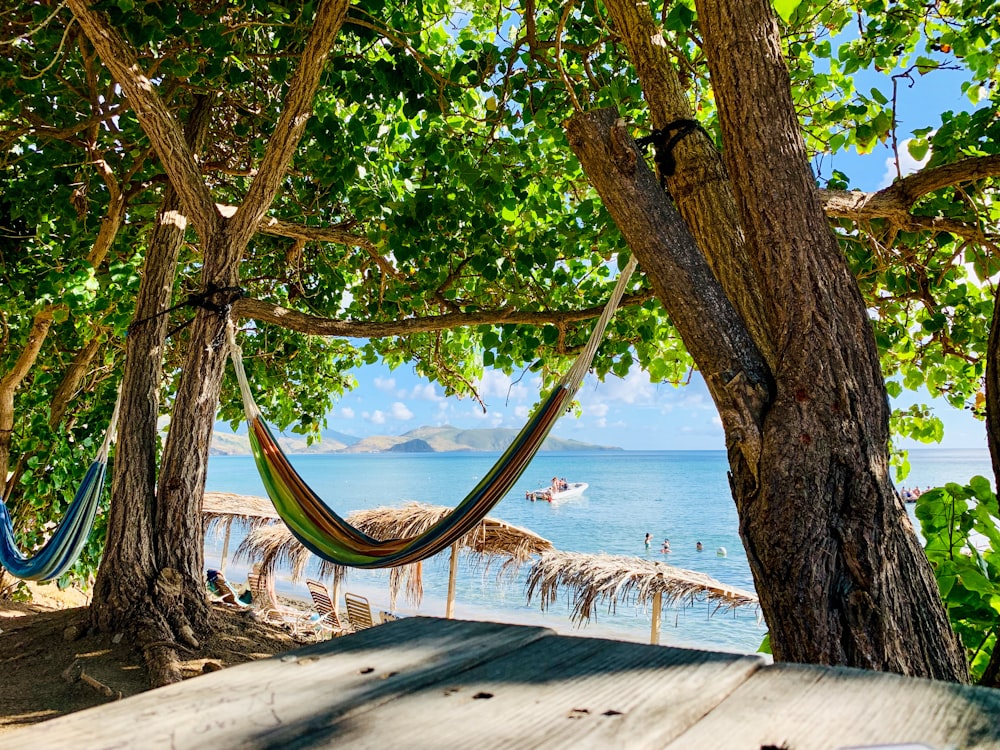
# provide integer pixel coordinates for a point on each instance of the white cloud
(497, 384)
(907, 164)
(376, 417)
(597, 410)
(634, 388)
(423, 392)
(347, 412)
(400, 412)
(384, 384)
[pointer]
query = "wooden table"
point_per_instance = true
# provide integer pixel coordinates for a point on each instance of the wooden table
(431, 683)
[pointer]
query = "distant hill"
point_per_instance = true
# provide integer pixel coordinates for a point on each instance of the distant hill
(452, 439)
(421, 440)
(228, 444)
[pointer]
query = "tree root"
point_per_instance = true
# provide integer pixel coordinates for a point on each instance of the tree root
(74, 673)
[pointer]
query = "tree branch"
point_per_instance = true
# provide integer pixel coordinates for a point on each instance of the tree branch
(895, 201)
(291, 125)
(9, 383)
(316, 326)
(713, 332)
(156, 120)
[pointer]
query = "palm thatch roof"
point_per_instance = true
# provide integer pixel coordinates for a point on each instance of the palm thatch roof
(492, 541)
(610, 579)
(222, 509)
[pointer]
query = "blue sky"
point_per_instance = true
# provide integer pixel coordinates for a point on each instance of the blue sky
(632, 413)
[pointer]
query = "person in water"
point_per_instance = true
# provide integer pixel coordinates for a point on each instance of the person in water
(666, 546)
(698, 547)
(649, 538)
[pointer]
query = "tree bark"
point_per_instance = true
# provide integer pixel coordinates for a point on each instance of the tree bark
(699, 185)
(129, 570)
(10, 382)
(712, 331)
(165, 539)
(845, 581)
(840, 573)
(993, 388)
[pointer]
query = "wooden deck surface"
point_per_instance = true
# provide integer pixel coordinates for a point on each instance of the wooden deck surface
(430, 683)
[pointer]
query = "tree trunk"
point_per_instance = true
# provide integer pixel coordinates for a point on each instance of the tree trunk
(170, 538)
(733, 368)
(841, 576)
(699, 184)
(840, 573)
(129, 571)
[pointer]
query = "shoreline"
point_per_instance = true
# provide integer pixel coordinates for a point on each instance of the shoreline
(295, 594)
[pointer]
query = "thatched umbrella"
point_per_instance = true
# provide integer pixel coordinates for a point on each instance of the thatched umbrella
(608, 579)
(492, 541)
(221, 509)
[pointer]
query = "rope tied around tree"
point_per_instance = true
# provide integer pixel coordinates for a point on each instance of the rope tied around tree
(206, 300)
(664, 139)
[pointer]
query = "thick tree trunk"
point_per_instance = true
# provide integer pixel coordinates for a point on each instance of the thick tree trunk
(840, 573)
(164, 552)
(126, 582)
(180, 534)
(699, 184)
(712, 331)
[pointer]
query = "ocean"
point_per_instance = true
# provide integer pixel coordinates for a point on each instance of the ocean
(680, 495)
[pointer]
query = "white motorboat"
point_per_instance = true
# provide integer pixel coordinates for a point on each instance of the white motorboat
(557, 492)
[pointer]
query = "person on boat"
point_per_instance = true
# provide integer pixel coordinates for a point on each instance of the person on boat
(555, 484)
(563, 484)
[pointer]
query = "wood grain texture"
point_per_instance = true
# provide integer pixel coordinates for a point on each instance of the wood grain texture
(434, 683)
(556, 692)
(270, 703)
(822, 708)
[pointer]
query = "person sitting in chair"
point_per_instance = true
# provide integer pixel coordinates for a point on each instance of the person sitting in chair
(219, 587)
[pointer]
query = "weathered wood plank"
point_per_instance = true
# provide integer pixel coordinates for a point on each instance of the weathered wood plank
(819, 708)
(271, 702)
(554, 692)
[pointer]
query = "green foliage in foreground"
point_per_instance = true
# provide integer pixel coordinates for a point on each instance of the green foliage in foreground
(962, 542)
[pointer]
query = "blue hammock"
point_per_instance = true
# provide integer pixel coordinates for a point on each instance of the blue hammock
(62, 549)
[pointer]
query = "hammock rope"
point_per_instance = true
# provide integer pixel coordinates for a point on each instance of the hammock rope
(328, 535)
(62, 549)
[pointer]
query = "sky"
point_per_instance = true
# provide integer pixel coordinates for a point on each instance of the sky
(633, 413)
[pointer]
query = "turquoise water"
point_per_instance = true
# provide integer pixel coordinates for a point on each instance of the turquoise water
(680, 495)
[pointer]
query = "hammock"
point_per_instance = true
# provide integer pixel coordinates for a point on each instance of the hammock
(64, 546)
(328, 535)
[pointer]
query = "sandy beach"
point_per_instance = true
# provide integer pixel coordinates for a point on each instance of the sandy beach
(295, 594)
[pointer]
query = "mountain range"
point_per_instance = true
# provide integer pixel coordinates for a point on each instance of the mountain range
(421, 440)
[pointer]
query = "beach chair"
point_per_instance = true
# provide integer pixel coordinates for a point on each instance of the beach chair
(266, 606)
(359, 611)
(329, 621)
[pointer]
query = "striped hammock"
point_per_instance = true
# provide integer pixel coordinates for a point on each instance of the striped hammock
(328, 535)
(63, 548)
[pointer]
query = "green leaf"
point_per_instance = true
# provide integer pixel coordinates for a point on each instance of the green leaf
(785, 8)
(918, 148)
